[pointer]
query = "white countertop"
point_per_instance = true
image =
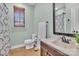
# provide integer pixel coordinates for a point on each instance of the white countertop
(70, 52)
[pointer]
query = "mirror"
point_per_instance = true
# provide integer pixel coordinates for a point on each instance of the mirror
(66, 18)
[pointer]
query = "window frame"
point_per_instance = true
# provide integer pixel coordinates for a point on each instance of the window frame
(19, 17)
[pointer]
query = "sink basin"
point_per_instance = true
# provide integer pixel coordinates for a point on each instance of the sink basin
(64, 45)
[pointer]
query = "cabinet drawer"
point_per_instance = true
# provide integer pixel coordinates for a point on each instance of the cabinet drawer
(55, 52)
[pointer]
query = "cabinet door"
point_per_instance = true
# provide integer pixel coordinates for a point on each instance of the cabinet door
(75, 18)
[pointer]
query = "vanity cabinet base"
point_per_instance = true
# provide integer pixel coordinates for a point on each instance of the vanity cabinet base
(47, 50)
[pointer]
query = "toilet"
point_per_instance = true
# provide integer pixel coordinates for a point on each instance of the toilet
(29, 43)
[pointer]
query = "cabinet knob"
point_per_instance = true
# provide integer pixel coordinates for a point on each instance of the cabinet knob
(74, 31)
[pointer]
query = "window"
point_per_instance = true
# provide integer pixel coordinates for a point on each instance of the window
(19, 17)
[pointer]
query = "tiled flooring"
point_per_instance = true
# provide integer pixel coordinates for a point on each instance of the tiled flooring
(24, 52)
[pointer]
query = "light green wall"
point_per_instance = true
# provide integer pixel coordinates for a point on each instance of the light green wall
(34, 15)
(18, 35)
(43, 12)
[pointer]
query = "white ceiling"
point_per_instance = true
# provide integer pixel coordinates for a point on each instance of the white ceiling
(31, 4)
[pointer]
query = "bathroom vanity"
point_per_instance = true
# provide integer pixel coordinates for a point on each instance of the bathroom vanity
(64, 24)
(55, 48)
(47, 50)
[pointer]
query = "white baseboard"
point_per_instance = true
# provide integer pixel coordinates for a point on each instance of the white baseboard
(20, 45)
(17, 46)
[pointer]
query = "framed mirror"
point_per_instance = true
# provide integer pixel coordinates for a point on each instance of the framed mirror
(66, 18)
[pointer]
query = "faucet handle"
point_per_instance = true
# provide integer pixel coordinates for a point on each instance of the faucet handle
(63, 39)
(68, 41)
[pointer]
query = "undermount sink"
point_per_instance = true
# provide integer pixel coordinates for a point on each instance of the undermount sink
(64, 45)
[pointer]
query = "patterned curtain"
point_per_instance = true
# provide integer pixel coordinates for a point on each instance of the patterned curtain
(4, 30)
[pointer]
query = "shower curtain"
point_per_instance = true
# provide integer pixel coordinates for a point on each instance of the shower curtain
(4, 30)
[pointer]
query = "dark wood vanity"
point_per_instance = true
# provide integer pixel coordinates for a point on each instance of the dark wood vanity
(47, 50)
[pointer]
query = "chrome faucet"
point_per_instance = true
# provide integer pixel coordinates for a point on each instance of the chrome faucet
(65, 40)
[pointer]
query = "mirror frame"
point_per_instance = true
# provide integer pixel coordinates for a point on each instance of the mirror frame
(54, 32)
